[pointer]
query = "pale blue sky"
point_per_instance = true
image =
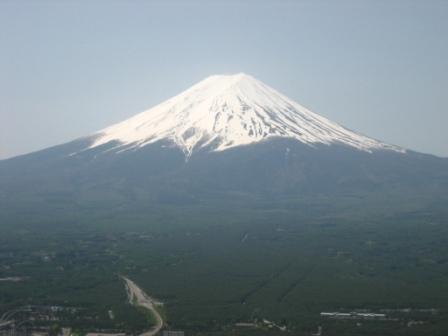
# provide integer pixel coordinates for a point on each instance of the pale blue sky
(69, 68)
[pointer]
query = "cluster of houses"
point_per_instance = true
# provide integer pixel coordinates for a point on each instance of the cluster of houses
(260, 324)
(172, 333)
(354, 316)
(10, 330)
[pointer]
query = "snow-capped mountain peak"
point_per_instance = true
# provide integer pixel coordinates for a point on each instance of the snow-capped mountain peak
(225, 111)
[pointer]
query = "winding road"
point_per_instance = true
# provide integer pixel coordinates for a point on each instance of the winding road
(138, 297)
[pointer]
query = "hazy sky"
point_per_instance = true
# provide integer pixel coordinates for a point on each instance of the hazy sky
(69, 68)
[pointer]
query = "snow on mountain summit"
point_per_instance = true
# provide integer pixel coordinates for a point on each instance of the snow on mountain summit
(225, 111)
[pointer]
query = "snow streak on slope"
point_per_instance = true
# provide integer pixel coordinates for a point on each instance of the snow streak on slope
(222, 112)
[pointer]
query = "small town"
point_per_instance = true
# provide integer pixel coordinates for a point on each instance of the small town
(33, 320)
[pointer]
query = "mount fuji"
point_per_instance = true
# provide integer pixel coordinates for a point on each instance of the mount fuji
(228, 137)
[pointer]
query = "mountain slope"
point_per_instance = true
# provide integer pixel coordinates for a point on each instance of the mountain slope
(244, 142)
